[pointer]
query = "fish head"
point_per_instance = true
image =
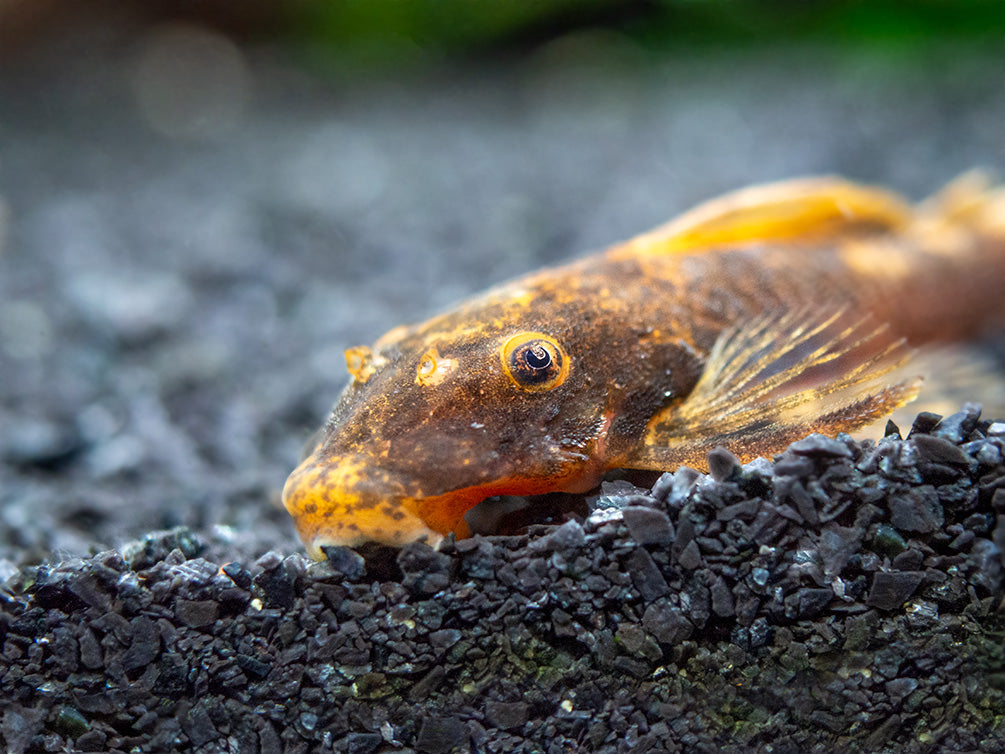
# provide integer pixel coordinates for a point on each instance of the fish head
(439, 416)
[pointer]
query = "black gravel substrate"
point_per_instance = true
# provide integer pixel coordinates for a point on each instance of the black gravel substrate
(845, 598)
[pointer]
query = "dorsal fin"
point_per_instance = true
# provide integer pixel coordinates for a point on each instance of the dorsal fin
(795, 210)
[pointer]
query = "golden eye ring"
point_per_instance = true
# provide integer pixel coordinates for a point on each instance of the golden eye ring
(534, 362)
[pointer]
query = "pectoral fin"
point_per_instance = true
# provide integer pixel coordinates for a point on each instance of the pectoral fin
(804, 210)
(777, 379)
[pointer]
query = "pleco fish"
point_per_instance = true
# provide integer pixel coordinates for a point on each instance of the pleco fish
(748, 322)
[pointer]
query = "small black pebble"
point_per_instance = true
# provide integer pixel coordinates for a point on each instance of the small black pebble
(269, 560)
(690, 556)
(722, 464)
(924, 423)
(888, 541)
(505, 715)
(958, 426)
(238, 574)
(722, 599)
(805, 505)
(424, 569)
(821, 447)
(892, 589)
(93, 740)
(836, 547)
(646, 576)
(940, 450)
(444, 638)
(196, 613)
(90, 650)
(812, 602)
(962, 540)
(666, 624)
(566, 537)
(745, 509)
(898, 688)
(648, 526)
(663, 486)
(363, 743)
(253, 667)
(917, 510)
(908, 560)
(278, 586)
(345, 560)
(438, 735)
(794, 466)
(145, 646)
(70, 723)
(198, 725)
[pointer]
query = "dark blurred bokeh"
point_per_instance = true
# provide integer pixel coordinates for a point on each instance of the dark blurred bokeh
(203, 204)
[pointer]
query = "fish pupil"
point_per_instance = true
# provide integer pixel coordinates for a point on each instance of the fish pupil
(537, 357)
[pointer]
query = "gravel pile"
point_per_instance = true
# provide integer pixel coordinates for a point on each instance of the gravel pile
(846, 597)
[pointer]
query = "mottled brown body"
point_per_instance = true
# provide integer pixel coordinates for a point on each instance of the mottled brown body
(649, 354)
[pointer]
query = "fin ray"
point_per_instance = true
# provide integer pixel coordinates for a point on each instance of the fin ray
(778, 379)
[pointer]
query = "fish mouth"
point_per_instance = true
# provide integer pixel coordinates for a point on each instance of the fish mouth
(347, 501)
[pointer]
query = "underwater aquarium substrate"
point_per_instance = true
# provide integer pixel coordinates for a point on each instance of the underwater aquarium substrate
(174, 308)
(847, 596)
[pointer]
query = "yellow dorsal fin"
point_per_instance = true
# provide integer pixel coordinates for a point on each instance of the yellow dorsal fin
(793, 210)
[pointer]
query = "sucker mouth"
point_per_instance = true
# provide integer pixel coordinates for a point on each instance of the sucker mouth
(347, 501)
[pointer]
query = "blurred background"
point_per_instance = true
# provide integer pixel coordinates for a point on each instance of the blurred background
(202, 204)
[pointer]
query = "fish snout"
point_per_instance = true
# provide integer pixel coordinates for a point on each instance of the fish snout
(347, 500)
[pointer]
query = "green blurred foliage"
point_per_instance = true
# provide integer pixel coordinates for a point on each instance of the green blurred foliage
(402, 31)
(396, 32)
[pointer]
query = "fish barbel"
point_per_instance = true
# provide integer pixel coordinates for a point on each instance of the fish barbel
(748, 322)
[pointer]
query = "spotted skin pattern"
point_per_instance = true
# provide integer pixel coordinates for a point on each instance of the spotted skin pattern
(748, 322)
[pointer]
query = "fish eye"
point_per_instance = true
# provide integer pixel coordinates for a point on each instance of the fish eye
(534, 361)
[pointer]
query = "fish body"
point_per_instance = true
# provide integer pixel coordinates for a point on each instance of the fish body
(748, 322)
